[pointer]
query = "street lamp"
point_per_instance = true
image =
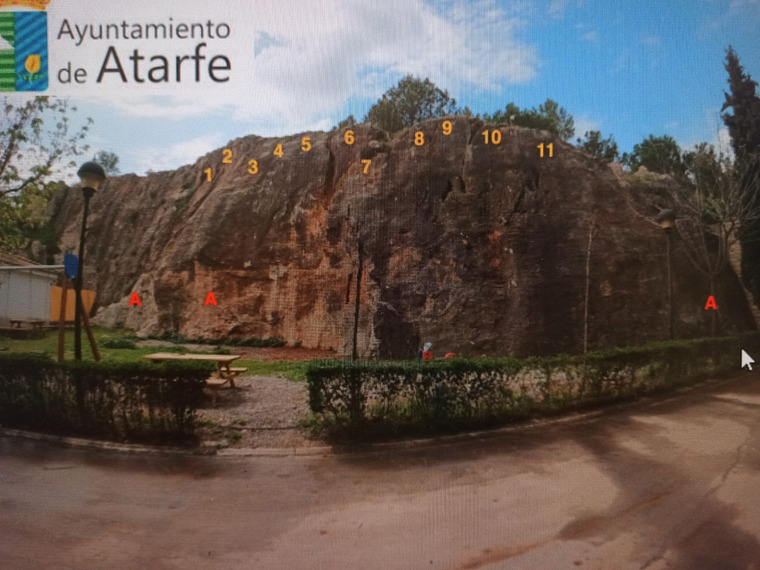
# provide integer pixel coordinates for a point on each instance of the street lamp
(667, 221)
(92, 176)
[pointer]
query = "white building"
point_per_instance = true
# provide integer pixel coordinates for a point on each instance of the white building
(24, 289)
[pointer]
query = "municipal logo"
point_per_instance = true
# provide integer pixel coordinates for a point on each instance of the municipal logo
(23, 49)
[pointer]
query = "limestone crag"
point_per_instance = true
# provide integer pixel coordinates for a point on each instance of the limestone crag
(479, 248)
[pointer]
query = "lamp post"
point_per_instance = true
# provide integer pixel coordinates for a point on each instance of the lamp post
(667, 221)
(92, 176)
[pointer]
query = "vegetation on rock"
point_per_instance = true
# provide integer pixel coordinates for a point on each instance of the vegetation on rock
(411, 101)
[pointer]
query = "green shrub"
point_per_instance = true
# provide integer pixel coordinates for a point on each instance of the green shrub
(358, 397)
(119, 342)
(256, 342)
(177, 349)
(172, 336)
(138, 401)
(177, 338)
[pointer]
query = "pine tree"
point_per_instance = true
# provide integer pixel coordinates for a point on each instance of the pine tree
(595, 145)
(744, 128)
(656, 154)
(412, 100)
(548, 117)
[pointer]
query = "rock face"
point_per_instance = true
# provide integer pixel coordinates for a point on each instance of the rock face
(478, 248)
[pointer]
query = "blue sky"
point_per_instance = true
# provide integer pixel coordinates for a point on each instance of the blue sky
(626, 68)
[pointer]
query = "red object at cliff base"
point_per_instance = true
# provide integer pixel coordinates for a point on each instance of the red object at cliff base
(134, 299)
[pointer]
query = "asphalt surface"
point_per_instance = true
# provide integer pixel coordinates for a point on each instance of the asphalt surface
(672, 483)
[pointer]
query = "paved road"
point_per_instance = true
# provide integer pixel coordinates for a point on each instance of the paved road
(669, 484)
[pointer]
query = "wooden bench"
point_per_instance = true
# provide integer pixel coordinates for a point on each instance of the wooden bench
(223, 376)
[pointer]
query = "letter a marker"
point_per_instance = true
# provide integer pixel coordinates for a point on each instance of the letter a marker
(134, 299)
(210, 299)
(711, 304)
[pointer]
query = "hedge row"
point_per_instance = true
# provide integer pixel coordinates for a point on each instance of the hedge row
(362, 397)
(254, 342)
(118, 401)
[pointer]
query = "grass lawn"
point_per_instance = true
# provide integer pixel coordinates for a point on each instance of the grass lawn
(295, 371)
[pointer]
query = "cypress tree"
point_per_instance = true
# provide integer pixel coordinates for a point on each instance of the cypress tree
(744, 128)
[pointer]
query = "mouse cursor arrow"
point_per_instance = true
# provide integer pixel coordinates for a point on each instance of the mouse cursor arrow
(747, 360)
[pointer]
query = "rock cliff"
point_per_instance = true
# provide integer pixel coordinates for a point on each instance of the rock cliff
(479, 248)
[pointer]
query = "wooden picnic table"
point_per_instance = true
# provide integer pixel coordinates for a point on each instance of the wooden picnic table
(224, 370)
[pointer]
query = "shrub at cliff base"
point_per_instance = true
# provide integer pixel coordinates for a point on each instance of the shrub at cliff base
(117, 401)
(376, 398)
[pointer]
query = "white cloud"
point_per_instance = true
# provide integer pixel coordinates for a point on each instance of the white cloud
(650, 41)
(722, 143)
(621, 62)
(711, 130)
(583, 124)
(557, 8)
(186, 152)
(737, 6)
(314, 57)
(308, 62)
(587, 32)
(172, 107)
(591, 36)
(325, 56)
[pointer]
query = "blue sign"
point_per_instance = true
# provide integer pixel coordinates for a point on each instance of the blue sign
(71, 265)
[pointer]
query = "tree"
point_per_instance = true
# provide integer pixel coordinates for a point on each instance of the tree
(411, 101)
(744, 122)
(709, 200)
(23, 136)
(744, 128)
(595, 145)
(108, 160)
(35, 138)
(712, 206)
(349, 121)
(548, 117)
(23, 216)
(656, 154)
(560, 120)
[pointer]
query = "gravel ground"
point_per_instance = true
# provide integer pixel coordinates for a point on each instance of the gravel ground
(261, 411)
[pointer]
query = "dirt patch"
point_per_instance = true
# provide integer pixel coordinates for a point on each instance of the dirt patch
(261, 411)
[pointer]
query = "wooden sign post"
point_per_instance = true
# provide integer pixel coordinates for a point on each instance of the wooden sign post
(88, 330)
(62, 324)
